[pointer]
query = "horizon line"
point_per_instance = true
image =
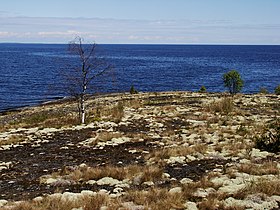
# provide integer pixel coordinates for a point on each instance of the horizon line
(221, 44)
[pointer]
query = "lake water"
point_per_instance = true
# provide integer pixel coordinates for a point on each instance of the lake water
(30, 73)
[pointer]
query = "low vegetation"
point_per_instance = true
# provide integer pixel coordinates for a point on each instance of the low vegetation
(233, 81)
(174, 150)
(277, 90)
(223, 106)
(269, 140)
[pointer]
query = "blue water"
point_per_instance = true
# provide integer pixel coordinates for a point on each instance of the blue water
(30, 73)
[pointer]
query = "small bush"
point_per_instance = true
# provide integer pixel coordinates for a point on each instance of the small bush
(133, 90)
(202, 89)
(233, 81)
(277, 90)
(269, 140)
(263, 90)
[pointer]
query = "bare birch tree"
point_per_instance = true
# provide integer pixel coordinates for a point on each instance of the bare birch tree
(80, 75)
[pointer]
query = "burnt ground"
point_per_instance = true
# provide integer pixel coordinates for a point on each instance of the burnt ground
(22, 180)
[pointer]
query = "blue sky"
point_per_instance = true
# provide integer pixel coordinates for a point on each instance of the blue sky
(141, 21)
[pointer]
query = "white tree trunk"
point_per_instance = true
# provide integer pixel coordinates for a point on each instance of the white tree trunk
(83, 109)
(83, 117)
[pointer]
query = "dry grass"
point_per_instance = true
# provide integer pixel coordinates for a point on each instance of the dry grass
(134, 103)
(60, 203)
(269, 187)
(44, 119)
(156, 199)
(144, 173)
(113, 113)
(214, 202)
(237, 145)
(13, 139)
(166, 153)
(265, 168)
(107, 136)
(223, 106)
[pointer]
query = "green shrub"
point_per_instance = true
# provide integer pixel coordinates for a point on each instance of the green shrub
(263, 90)
(233, 81)
(133, 90)
(277, 90)
(202, 89)
(269, 140)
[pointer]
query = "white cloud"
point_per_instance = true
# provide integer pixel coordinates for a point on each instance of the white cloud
(60, 33)
(62, 30)
(7, 34)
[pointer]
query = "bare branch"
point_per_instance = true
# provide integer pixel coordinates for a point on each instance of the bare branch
(80, 75)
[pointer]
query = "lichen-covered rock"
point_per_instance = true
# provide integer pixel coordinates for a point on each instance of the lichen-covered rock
(108, 181)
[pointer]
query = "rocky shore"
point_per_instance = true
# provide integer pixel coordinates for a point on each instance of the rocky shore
(169, 150)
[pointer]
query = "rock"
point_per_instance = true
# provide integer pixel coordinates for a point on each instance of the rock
(137, 180)
(3, 203)
(51, 181)
(103, 191)
(190, 206)
(115, 195)
(120, 140)
(55, 196)
(175, 190)
(132, 206)
(69, 196)
(173, 160)
(62, 182)
(81, 208)
(83, 165)
(256, 153)
(186, 181)
(233, 202)
(149, 183)
(244, 161)
(91, 182)
(219, 181)
(165, 175)
(232, 188)
(108, 181)
(88, 193)
(103, 208)
(117, 190)
(203, 193)
(249, 203)
(191, 158)
(132, 151)
(38, 199)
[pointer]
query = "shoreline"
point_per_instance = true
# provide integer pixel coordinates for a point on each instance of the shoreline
(60, 100)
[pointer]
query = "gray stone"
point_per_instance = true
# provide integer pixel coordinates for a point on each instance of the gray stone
(108, 181)
(190, 206)
(175, 190)
(3, 203)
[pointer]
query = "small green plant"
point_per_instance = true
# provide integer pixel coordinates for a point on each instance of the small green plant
(202, 89)
(269, 140)
(277, 90)
(232, 80)
(133, 90)
(263, 90)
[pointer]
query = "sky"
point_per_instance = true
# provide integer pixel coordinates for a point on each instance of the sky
(141, 21)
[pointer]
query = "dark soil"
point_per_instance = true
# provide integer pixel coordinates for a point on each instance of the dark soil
(21, 181)
(194, 170)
